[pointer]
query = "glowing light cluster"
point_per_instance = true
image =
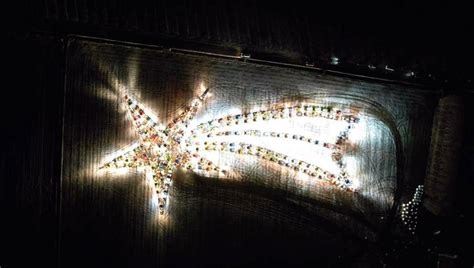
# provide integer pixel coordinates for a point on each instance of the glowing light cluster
(180, 144)
(159, 149)
(410, 210)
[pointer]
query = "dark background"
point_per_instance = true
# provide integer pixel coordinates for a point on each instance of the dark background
(429, 39)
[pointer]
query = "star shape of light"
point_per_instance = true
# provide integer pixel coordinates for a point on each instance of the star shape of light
(161, 150)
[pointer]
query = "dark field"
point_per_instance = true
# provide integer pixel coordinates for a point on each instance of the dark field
(262, 217)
